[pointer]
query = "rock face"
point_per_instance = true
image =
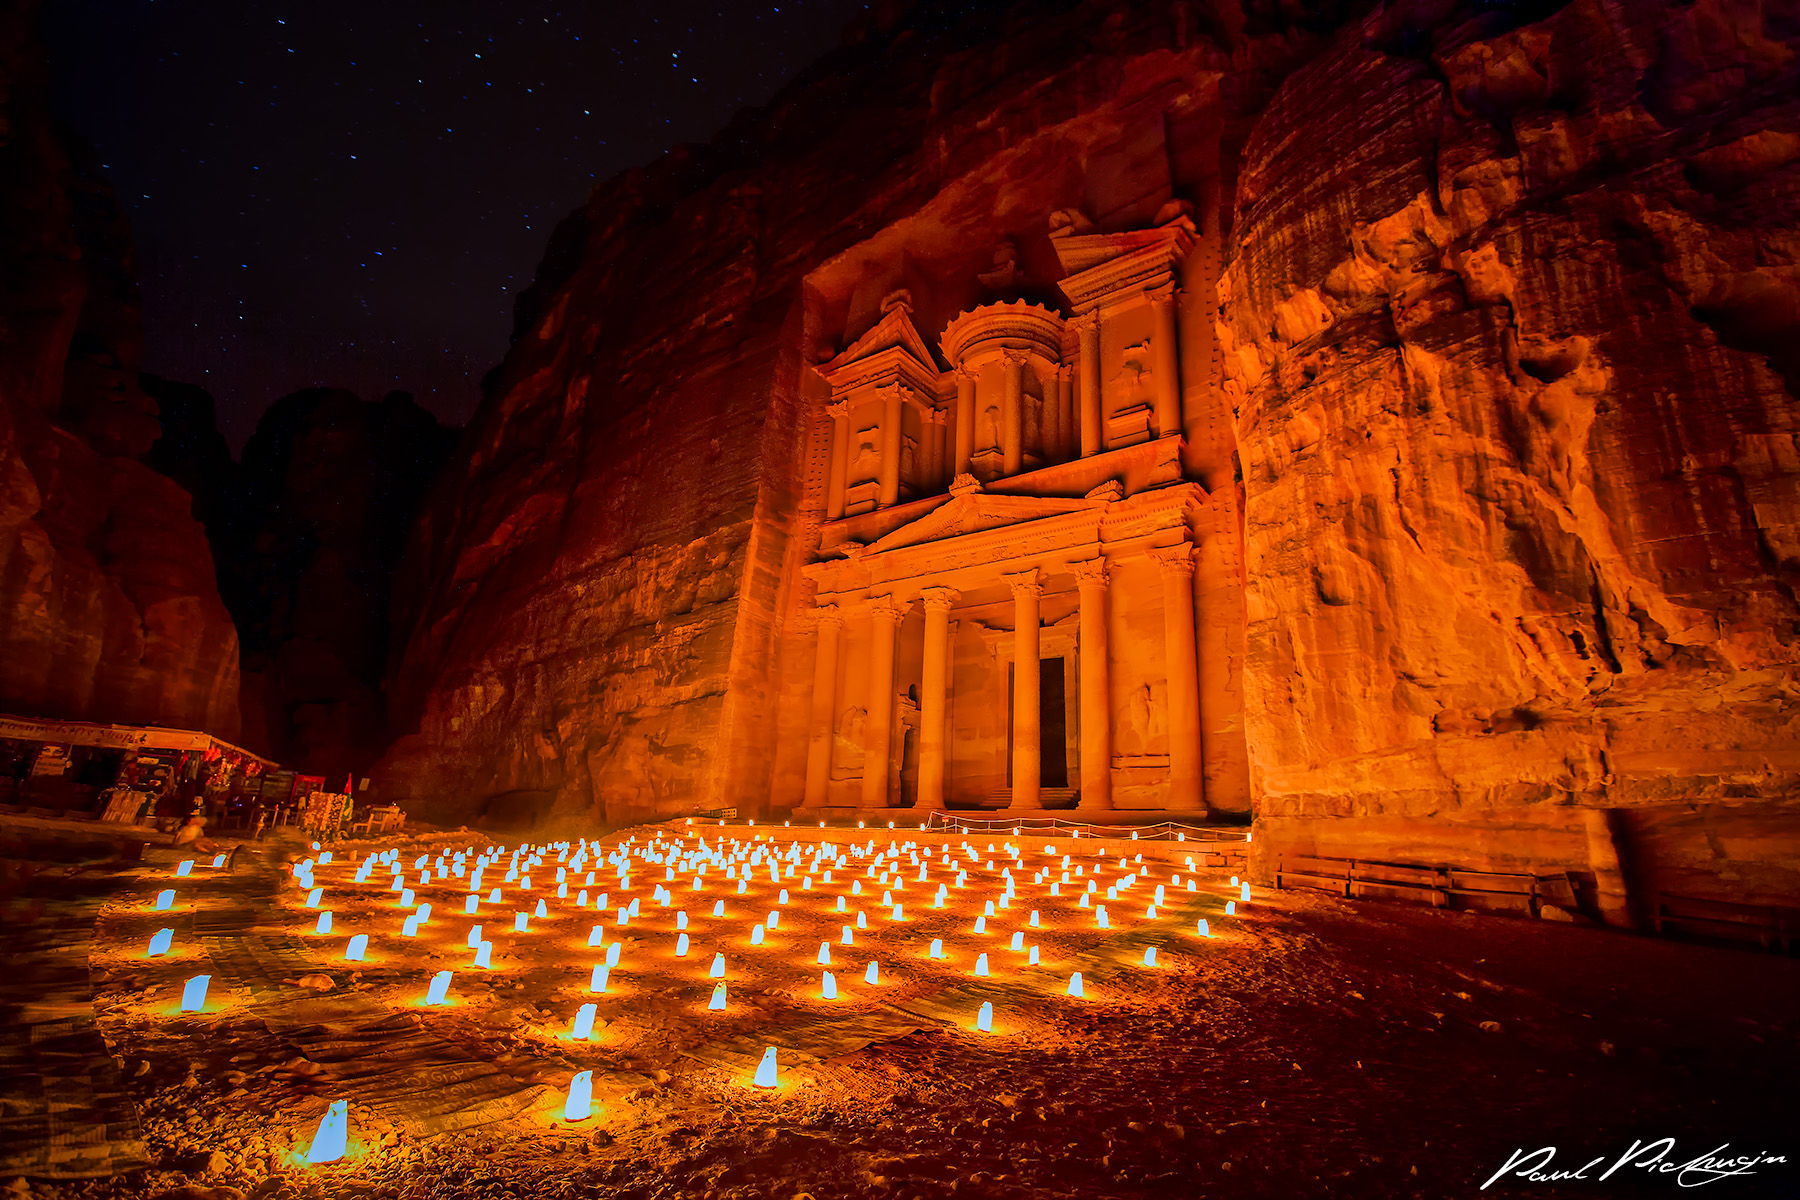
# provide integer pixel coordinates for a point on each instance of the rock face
(1510, 329)
(108, 605)
(308, 529)
(1487, 373)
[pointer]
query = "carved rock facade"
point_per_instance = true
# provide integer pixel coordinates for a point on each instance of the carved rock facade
(1441, 357)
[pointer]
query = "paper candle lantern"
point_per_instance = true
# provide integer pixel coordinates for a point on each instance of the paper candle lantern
(165, 899)
(540, 910)
(358, 945)
(1032, 961)
(1231, 908)
(849, 938)
(681, 945)
(756, 935)
(718, 908)
(828, 986)
(160, 940)
(580, 1105)
(773, 920)
(1018, 940)
(312, 897)
(717, 970)
(984, 1020)
(470, 904)
(681, 919)
(765, 1070)
(193, 994)
(584, 1022)
(597, 981)
(1075, 988)
(494, 896)
(937, 947)
(612, 954)
(439, 991)
(324, 923)
(519, 922)
(1149, 956)
(980, 924)
(1202, 928)
(409, 927)
(406, 898)
(329, 1139)
(1244, 894)
(717, 1003)
(482, 954)
(1100, 918)
(184, 868)
(873, 973)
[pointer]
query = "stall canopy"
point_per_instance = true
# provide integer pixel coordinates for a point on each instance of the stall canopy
(120, 737)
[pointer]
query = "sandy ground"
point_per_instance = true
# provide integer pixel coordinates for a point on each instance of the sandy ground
(1312, 1048)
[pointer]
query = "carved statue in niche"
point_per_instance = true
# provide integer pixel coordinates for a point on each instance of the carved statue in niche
(847, 750)
(1143, 728)
(1070, 222)
(909, 457)
(987, 428)
(865, 464)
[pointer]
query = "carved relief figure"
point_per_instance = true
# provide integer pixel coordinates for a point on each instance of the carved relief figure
(987, 429)
(1144, 728)
(865, 464)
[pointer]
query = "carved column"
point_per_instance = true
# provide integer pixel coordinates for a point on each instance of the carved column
(1065, 415)
(884, 621)
(840, 458)
(1092, 430)
(1177, 563)
(940, 438)
(1092, 579)
(1164, 368)
(891, 434)
(1012, 416)
(965, 420)
(932, 690)
(1026, 763)
(824, 705)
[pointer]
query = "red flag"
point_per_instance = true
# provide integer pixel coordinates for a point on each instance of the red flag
(347, 781)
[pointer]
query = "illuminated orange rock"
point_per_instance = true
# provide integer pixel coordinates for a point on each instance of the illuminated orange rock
(1386, 428)
(1511, 338)
(108, 605)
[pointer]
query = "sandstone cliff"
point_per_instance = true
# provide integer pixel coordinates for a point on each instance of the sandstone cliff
(1510, 332)
(307, 530)
(108, 606)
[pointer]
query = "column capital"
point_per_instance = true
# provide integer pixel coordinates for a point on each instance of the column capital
(829, 616)
(887, 608)
(839, 408)
(1015, 358)
(1087, 322)
(939, 599)
(965, 373)
(1177, 560)
(1023, 583)
(1091, 573)
(1163, 294)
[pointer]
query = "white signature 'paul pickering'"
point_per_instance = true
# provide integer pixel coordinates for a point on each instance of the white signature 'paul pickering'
(1657, 1157)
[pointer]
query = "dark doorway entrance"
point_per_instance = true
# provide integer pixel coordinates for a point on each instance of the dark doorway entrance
(1053, 724)
(1053, 720)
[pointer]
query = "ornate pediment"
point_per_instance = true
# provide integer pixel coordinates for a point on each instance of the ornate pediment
(1104, 265)
(976, 511)
(892, 347)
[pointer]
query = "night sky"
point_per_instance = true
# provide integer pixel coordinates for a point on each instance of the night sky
(350, 192)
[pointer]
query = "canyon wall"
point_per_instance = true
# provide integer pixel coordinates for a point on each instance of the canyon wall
(109, 609)
(1510, 329)
(1487, 349)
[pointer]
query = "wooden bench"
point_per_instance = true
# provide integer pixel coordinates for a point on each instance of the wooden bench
(1771, 926)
